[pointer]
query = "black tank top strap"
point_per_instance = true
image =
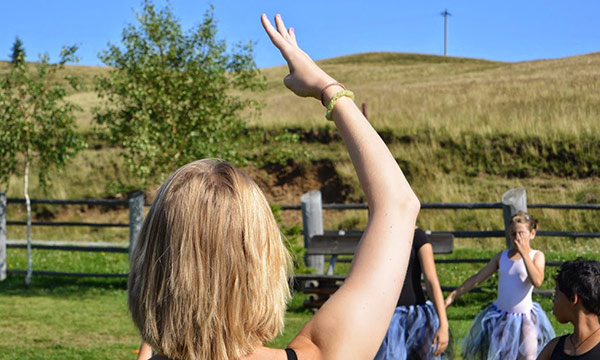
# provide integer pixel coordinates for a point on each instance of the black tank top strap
(559, 352)
(291, 354)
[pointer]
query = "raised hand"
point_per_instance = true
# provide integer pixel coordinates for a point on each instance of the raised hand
(305, 77)
(522, 243)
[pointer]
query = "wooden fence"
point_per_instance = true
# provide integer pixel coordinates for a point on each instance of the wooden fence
(312, 218)
(135, 203)
(511, 202)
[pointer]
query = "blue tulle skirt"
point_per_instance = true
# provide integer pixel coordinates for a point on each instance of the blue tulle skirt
(410, 334)
(500, 335)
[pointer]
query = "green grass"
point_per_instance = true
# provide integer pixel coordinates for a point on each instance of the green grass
(65, 319)
(87, 318)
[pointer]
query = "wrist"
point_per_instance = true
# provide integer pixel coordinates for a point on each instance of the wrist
(328, 93)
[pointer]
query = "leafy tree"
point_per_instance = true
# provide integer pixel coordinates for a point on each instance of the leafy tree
(38, 124)
(17, 52)
(173, 96)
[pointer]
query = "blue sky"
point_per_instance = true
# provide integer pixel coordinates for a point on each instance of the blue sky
(507, 30)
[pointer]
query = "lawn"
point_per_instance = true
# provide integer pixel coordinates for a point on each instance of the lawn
(68, 318)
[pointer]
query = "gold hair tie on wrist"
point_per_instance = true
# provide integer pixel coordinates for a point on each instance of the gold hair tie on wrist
(339, 94)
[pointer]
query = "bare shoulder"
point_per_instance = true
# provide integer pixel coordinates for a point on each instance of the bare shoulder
(304, 347)
(496, 259)
(426, 249)
(265, 353)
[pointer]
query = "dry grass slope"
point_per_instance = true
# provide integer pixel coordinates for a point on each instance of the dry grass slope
(408, 93)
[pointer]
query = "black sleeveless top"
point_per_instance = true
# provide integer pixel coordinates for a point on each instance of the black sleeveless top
(291, 354)
(412, 292)
(559, 352)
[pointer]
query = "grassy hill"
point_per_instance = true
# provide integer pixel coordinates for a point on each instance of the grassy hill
(462, 130)
(409, 93)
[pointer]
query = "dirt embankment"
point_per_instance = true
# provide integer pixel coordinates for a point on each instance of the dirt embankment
(283, 185)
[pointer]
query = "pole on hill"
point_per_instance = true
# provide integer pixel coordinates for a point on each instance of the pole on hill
(445, 14)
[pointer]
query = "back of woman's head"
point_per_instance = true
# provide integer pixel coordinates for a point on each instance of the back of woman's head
(581, 277)
(208, 275)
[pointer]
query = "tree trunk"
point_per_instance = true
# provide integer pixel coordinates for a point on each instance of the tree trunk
(28, 205)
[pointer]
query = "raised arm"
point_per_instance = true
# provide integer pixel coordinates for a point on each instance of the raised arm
(434, 291)
(488, 270)
(353, 322)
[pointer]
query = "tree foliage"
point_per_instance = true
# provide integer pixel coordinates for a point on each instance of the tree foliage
(37, 122)
(173, 96)
(17, 54)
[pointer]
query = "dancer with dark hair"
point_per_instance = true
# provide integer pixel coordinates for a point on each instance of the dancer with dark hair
(577, 301)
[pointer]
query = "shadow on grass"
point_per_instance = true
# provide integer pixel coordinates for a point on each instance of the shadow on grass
(60, 286)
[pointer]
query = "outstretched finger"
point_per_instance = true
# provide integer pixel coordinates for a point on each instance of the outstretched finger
(292, 34)
(275, 36)
(281, 26)
(434, 344)
(439, 350)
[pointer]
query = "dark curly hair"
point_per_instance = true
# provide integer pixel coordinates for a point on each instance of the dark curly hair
(581, 277)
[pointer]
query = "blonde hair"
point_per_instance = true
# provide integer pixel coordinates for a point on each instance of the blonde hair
(208, 277)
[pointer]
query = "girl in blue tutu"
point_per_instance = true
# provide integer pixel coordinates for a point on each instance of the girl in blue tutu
(513, 327)
(419, 328)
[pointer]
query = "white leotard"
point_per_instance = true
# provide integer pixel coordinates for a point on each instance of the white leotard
(514, 285)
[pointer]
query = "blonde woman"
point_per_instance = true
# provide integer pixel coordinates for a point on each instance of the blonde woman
(209, 272)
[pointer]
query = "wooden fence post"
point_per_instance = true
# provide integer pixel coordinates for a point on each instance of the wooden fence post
(312, 222)
(2, 236)
(136, 216)
(513, 201)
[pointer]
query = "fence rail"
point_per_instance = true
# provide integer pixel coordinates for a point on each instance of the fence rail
(312, 225)
(135, 204)
(512, 201)
(453, 206)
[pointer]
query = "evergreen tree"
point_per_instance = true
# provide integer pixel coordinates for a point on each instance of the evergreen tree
(17, 52)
